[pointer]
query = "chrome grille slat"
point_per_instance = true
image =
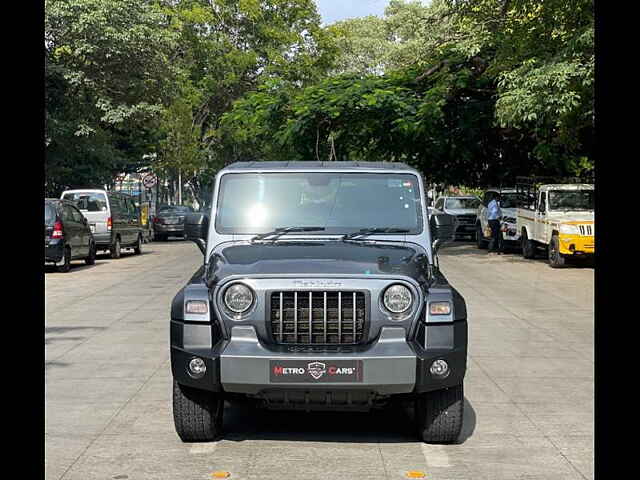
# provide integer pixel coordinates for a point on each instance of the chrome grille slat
(281, 316)
(295, 316)
(325, 317)
(353, 329)
(339, 317)
(334, 318)
(310, 315)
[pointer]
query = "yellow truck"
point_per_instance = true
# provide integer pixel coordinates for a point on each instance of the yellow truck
(560, 221)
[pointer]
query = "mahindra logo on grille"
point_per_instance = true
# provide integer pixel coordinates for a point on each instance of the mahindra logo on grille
(316, 369)
(316, 283)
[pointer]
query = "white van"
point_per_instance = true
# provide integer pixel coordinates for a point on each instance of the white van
(113, 218)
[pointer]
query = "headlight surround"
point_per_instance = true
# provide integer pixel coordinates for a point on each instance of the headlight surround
(238, 298)
(569, 229)
(397, 298)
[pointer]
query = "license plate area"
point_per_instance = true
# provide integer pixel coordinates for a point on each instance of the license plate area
(316, 371)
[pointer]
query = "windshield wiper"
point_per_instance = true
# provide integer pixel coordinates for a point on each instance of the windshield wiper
(284, 230)
(370, 231)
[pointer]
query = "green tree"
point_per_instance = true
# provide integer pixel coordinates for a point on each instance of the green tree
(108, 73)
(228, 48)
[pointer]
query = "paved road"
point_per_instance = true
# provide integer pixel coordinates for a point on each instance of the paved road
(529, 385)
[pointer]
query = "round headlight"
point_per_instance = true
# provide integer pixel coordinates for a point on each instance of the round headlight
(238, 298)
(397, 299)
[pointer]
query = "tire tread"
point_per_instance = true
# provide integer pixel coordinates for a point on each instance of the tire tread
(197, 414)
(440, 415)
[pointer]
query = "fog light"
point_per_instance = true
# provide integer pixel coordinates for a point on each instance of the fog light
(197, 367)
(439, 369)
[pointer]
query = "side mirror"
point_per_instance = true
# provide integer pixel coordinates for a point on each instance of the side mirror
(442, 227)
(196, 228)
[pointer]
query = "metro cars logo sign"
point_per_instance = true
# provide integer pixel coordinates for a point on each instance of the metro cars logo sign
(303, 371)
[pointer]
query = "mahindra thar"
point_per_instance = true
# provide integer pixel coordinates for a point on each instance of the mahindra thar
(320, 290)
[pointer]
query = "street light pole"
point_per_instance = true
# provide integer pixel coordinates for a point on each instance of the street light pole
(179, 187)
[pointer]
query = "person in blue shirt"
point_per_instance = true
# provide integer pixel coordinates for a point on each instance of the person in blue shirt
(494, 214)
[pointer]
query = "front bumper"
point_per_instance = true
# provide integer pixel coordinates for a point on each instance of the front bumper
(390, 365)
(465, 229)
(510, 233)
(576, 245)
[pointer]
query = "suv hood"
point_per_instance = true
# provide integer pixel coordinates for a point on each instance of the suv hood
(319, 257)
(576, 216)
(460, 211)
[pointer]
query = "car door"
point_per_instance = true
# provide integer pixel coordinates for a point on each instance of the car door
(484, 211)
(131, 220)
(120, 218)
(541, 225)
(84, 234)
(71, 230)
(134, 219)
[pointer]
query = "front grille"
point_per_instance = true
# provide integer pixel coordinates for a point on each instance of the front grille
(466, 219)
(318, 318)
(586, 230)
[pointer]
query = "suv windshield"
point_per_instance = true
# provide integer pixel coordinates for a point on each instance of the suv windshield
(571, 200)
(514, 200)
(461, 203)
(341, 203)
(49, 214)
(88, 201)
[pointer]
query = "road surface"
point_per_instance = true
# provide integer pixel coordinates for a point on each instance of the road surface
(529, 385)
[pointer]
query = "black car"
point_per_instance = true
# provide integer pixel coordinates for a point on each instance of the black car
(67, 235)
(169, 221)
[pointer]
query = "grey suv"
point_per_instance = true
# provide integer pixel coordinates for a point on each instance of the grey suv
(464, 209)
(320, 290)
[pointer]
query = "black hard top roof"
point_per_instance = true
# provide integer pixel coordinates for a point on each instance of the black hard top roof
(309, 165)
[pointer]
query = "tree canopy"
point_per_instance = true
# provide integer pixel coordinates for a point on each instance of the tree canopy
(468, 91)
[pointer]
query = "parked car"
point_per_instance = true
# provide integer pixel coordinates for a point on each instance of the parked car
(561, 221)
(320, 290)
(169, 221)
(510, 199)
(113, 218)
(464, 209)
(67, 235)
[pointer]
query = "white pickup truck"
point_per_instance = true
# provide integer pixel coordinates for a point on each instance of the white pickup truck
(561, 220)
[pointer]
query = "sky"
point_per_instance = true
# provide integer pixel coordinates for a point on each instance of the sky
(333, 10)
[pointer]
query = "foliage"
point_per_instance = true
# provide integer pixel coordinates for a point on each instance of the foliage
(107, 75)
(229, 48)
(469, 91)
(441, 123)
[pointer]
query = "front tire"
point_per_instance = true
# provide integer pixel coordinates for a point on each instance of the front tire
(528, 247)
(197, 414)
(439, 415)
(556, 259)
